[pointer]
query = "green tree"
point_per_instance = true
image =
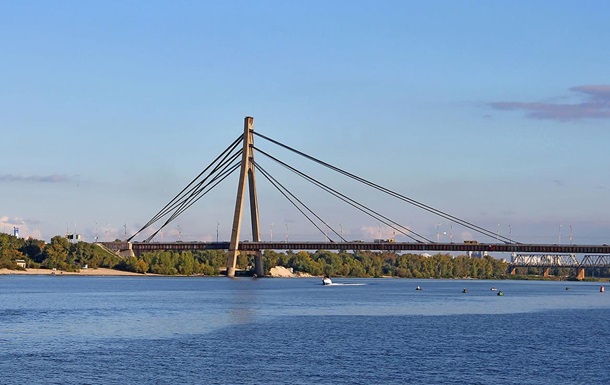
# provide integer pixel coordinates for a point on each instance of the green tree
(56, 253)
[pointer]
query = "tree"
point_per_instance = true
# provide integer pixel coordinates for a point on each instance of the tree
(8, 257)
(56, 253)
(32, 249)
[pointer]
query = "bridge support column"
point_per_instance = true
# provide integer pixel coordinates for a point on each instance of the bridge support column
(546, 272)
(513, 271)
(259, 269)
(247, 171)
(581, 274)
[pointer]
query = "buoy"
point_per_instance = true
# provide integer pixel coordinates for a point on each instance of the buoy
(500, 293)
(464, 291)
(602, 289)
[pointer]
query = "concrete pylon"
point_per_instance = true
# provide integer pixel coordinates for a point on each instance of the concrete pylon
(581, 274)
(247, 171)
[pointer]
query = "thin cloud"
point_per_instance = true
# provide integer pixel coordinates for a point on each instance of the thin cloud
(7, 226)
(55, 178)
(595, 104)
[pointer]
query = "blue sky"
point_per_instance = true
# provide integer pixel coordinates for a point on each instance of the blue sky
(496, 112)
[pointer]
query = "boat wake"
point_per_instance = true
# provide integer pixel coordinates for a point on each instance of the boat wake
(326, 281)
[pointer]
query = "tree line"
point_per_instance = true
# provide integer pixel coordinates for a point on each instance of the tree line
(387, 264)
(322, 262)
(58, 254)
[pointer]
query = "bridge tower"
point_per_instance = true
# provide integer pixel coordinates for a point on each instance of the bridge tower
(247, 171)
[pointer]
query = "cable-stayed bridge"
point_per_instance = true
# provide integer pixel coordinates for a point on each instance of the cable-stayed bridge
(239, 155)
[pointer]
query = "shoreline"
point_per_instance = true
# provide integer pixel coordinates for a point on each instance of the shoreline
(279, 273)
(102, 271)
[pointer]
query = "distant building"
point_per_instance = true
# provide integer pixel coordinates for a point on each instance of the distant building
(477, 254)
(20, 263)
(16, 231)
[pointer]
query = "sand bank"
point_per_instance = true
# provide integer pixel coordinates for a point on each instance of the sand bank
(99, 271)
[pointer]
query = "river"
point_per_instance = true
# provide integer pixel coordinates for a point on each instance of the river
(164, 330)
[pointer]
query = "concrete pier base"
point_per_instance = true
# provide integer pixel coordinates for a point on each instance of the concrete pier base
(259, 269)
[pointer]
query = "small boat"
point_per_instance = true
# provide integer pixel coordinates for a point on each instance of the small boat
(602, 289)
(493, 288)
(326, 281)
(418, 288)
(500, 293)
(464, 291)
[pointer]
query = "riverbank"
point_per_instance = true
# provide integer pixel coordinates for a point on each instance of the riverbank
(91, 272)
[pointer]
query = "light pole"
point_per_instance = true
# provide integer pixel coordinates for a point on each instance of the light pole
(286, 232)
(451, 232)
(498, 234)
(438, 234)
(271, 231)
(217, 224)
(571, 236)
(341, 230)
(509, 232)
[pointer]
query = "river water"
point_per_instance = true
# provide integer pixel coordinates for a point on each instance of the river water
(161, 330)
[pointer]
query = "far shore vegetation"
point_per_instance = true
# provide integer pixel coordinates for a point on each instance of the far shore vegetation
(61, 254)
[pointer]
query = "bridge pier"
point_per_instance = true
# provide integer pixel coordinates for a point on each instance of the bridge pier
(246, 175)
(547, 271)
(258, 264)
(581, 274)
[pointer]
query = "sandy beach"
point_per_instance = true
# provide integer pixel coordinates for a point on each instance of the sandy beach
(99, 272)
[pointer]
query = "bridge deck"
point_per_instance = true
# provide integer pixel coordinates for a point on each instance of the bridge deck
(385, 246)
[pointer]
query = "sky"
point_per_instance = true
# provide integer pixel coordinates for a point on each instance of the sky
(495, 112)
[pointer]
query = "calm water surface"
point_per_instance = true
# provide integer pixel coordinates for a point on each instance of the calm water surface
(153, 330)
